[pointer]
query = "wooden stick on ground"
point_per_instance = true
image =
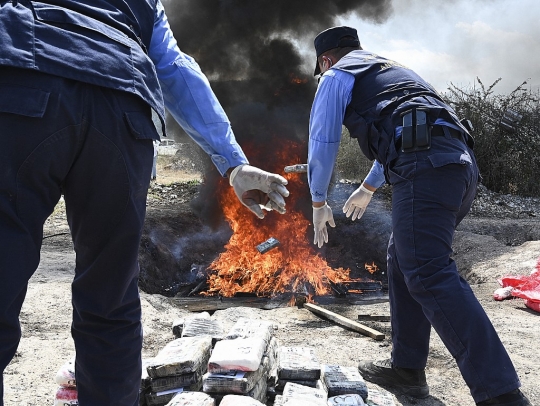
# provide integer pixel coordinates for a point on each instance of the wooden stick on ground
(345, 322)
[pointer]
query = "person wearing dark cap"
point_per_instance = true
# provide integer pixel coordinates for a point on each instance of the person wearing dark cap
(421, 148)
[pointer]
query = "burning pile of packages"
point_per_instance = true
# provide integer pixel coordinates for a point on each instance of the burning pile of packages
(204, 366)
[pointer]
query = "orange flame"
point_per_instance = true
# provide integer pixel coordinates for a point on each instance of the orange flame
(291, 267)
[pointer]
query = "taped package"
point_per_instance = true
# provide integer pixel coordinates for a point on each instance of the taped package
(177, 381)
(346, 400)
(298, 363)
(164, 397)
(236, 381)
(239, 400)
(341, 380)
(192, 399)
(182, 356)
(380, 398)
(246, 328)
(241, 354)
(201, 325)
(295, 393)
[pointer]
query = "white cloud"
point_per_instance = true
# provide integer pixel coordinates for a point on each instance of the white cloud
(457, 41)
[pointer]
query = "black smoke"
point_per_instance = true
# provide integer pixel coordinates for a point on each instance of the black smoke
(259, 58)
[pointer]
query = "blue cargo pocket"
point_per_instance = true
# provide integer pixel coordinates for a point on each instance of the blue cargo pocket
(447, 158)
(22, 100)
(141, 125)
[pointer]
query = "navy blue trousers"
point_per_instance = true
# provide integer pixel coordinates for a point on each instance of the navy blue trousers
(94, 146)
(432, 192)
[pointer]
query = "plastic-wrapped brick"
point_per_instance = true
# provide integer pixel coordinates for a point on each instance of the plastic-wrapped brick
(182, 356)
(246, 328)
(298, 363)
(164, 397)
(145, 378)
(176, 381)
(236, 381)
(192, 399)
(239, 400)
(66, 375)
(297, 393)
(242, 354)
(343, 380)
(346, 400)
(201, 326)
(380, 398)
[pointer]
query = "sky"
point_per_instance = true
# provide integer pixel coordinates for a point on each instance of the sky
(457, 41)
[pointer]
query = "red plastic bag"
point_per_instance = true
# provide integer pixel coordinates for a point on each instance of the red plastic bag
(525, 287)
(66, 397)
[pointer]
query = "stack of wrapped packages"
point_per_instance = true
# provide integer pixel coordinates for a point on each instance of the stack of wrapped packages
(298, 365)
(177, 367)
(66, 394)
(344, 385)
(243, 364)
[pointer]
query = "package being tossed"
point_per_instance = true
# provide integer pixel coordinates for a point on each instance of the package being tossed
(341, 380)
(241, 354)
(192, 399)
(182, 356)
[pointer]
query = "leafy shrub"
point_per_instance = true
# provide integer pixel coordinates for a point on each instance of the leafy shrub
(507, 151)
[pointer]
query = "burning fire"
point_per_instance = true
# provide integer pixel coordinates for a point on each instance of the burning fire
(293, 266)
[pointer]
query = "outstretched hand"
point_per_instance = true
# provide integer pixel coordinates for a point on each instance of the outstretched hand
(257, 189)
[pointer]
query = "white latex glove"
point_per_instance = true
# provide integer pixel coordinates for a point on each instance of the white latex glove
(357, 202)
(257, 189)
(322, 215)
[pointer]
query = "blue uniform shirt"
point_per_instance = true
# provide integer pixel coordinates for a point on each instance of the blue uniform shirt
(333, 95)
(189, 98)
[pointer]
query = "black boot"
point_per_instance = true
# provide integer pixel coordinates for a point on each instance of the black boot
(514, 398)
(411, 382)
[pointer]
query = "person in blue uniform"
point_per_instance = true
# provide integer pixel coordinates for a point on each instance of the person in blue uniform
(79, 84)
(421, 148)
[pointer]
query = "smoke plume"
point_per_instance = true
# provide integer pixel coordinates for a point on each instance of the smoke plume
(260, 59)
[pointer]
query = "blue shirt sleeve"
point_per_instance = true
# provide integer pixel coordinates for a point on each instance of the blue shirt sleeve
(333, 95)
(189, 98)
(375, 177)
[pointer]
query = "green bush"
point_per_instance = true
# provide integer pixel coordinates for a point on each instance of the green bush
(508, 152)
(351, 164)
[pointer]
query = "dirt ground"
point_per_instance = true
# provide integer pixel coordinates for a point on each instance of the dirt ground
(500, 237)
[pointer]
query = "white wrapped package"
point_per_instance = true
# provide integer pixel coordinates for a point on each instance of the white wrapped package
(192, 399)
(245, 328)
(347, 400)
(298, 393)
(380, 398)
(66, 375)
(239, 400)
(182, 356)
(242, 354)
(66, 397)
(298, 364)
